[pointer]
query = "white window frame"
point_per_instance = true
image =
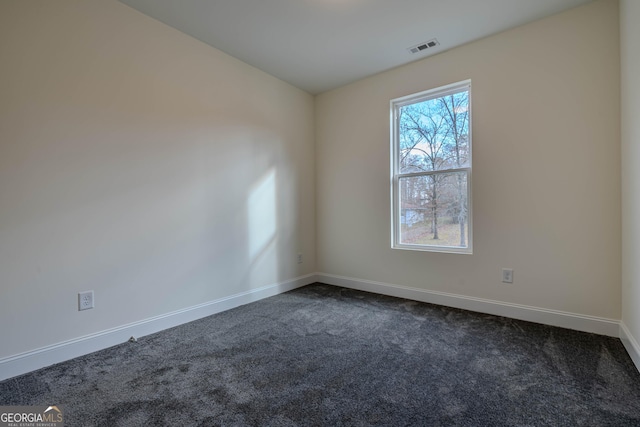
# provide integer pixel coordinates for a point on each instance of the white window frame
(396, 104)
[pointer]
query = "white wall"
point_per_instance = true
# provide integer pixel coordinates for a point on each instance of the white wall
(546, 181)
(163, 174)
(630, 85)
(142, 164)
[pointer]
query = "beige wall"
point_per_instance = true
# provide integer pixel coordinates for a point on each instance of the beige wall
(142, 164)
(630, 84)
(162, 173)
(546, 181)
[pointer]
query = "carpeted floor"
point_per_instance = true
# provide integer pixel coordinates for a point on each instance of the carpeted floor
(327, 356)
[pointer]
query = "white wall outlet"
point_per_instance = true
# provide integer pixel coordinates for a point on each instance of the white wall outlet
(299, 258)
(507, 275)
(85, 300)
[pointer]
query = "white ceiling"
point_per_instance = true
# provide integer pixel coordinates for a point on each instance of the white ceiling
(319, 45)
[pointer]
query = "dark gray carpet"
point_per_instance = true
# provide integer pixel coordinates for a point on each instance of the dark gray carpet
(326, 356)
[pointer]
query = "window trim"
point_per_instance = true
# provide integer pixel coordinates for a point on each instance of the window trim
(395, 105)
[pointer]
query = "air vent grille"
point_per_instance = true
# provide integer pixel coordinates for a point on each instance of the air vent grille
(424, 46)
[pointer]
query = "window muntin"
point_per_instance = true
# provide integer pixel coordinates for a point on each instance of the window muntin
(431, 170)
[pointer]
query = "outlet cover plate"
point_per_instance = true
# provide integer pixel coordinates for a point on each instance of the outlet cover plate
(85, 300)
(507, 275)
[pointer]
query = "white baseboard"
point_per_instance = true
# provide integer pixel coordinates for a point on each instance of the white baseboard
(579, 322)
(29, 361)
(630, 344)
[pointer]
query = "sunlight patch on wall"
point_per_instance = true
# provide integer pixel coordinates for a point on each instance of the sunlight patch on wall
(262, 214)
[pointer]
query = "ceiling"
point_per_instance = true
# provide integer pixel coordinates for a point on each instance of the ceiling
(318, 45)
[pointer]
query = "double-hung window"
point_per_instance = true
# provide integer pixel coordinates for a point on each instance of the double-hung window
(431, 170)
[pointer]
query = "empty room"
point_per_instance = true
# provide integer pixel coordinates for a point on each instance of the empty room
(319, 212)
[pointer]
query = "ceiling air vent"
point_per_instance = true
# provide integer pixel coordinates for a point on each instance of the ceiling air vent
(423, 46)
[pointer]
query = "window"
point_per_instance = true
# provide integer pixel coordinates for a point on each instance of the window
(431, 170)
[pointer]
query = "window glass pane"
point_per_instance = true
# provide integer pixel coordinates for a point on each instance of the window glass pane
(434, 210)
(434, 134)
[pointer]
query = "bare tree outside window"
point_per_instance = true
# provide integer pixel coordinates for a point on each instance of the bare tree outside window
(431, 144)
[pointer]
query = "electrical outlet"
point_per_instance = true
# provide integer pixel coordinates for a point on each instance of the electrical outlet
(85, 300)
(299, 258)
(507, 275)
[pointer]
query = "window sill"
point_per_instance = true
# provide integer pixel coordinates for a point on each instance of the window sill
(439, 249)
